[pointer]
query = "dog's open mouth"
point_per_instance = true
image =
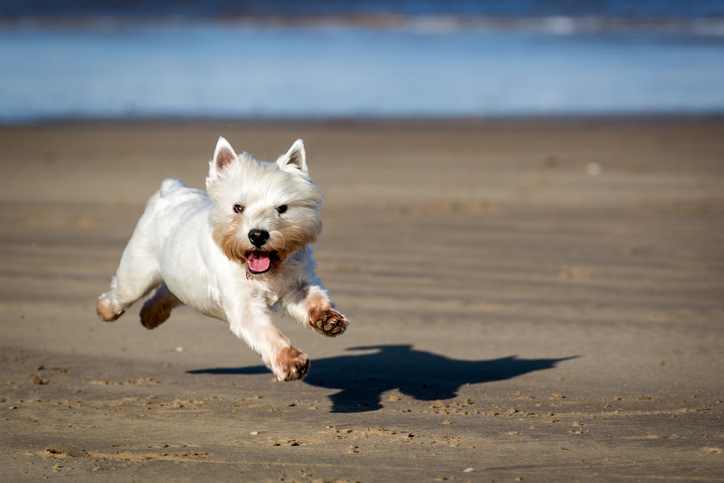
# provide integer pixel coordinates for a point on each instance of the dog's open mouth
(258, 261)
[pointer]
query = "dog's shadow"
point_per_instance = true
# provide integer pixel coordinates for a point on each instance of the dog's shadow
(425, 376)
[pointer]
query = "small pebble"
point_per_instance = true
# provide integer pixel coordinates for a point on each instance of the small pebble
(468, 470)
(36, 379)
(593, 169)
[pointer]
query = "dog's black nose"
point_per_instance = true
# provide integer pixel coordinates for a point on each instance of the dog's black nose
(258, 237)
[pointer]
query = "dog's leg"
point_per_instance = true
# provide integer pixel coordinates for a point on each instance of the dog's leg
(137, 275)
(311, 306)
(158, 308)
(253, 324)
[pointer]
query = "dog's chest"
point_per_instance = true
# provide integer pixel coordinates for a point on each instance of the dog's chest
(269, 289)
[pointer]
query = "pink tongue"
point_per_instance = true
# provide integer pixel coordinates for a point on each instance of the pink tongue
(258, 262)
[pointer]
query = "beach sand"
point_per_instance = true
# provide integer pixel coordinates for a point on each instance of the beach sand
(530, 300)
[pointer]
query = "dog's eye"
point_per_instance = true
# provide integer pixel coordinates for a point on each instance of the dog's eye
(282, 209)
(238, 208)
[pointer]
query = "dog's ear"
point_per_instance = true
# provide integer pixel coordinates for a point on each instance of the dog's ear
(224, 154)
(295, 160)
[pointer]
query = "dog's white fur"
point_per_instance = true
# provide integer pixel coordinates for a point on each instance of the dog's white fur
(192, 246)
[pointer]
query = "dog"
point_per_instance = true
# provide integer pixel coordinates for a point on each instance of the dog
(234, 252)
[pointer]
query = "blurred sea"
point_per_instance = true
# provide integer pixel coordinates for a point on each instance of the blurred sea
(278, 59)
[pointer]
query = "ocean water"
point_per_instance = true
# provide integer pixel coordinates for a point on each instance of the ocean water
(622, 9)
(429, 66)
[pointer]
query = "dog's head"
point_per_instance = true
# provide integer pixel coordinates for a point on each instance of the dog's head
(263, 211)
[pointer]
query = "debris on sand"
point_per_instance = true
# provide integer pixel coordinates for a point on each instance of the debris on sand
(36, 379)
(138, 381)
(593, 169)
(288, 442)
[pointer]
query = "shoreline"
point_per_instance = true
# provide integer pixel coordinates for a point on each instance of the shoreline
(562, 118)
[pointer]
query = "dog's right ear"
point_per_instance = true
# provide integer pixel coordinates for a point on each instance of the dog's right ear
(224, 156)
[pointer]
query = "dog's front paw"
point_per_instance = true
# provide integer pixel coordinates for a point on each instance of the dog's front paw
(290, 364)
(329, 322)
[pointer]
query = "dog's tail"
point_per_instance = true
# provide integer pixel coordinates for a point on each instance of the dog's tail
(169, 185)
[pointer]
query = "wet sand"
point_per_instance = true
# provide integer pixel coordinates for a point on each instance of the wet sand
(530, 300)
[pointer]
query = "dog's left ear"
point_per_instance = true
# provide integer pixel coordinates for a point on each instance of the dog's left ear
(295, 160)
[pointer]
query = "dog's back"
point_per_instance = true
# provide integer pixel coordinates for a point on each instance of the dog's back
(169, 185)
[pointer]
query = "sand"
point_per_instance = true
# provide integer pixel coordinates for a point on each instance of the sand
(530, 300)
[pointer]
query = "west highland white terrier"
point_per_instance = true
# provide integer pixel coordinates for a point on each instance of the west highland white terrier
(232, 252)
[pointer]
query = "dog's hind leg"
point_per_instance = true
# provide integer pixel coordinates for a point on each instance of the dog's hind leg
(137, 275)
(133, 280)
(158, 308)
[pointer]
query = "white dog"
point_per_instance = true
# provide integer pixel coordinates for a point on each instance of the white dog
(232, 252)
